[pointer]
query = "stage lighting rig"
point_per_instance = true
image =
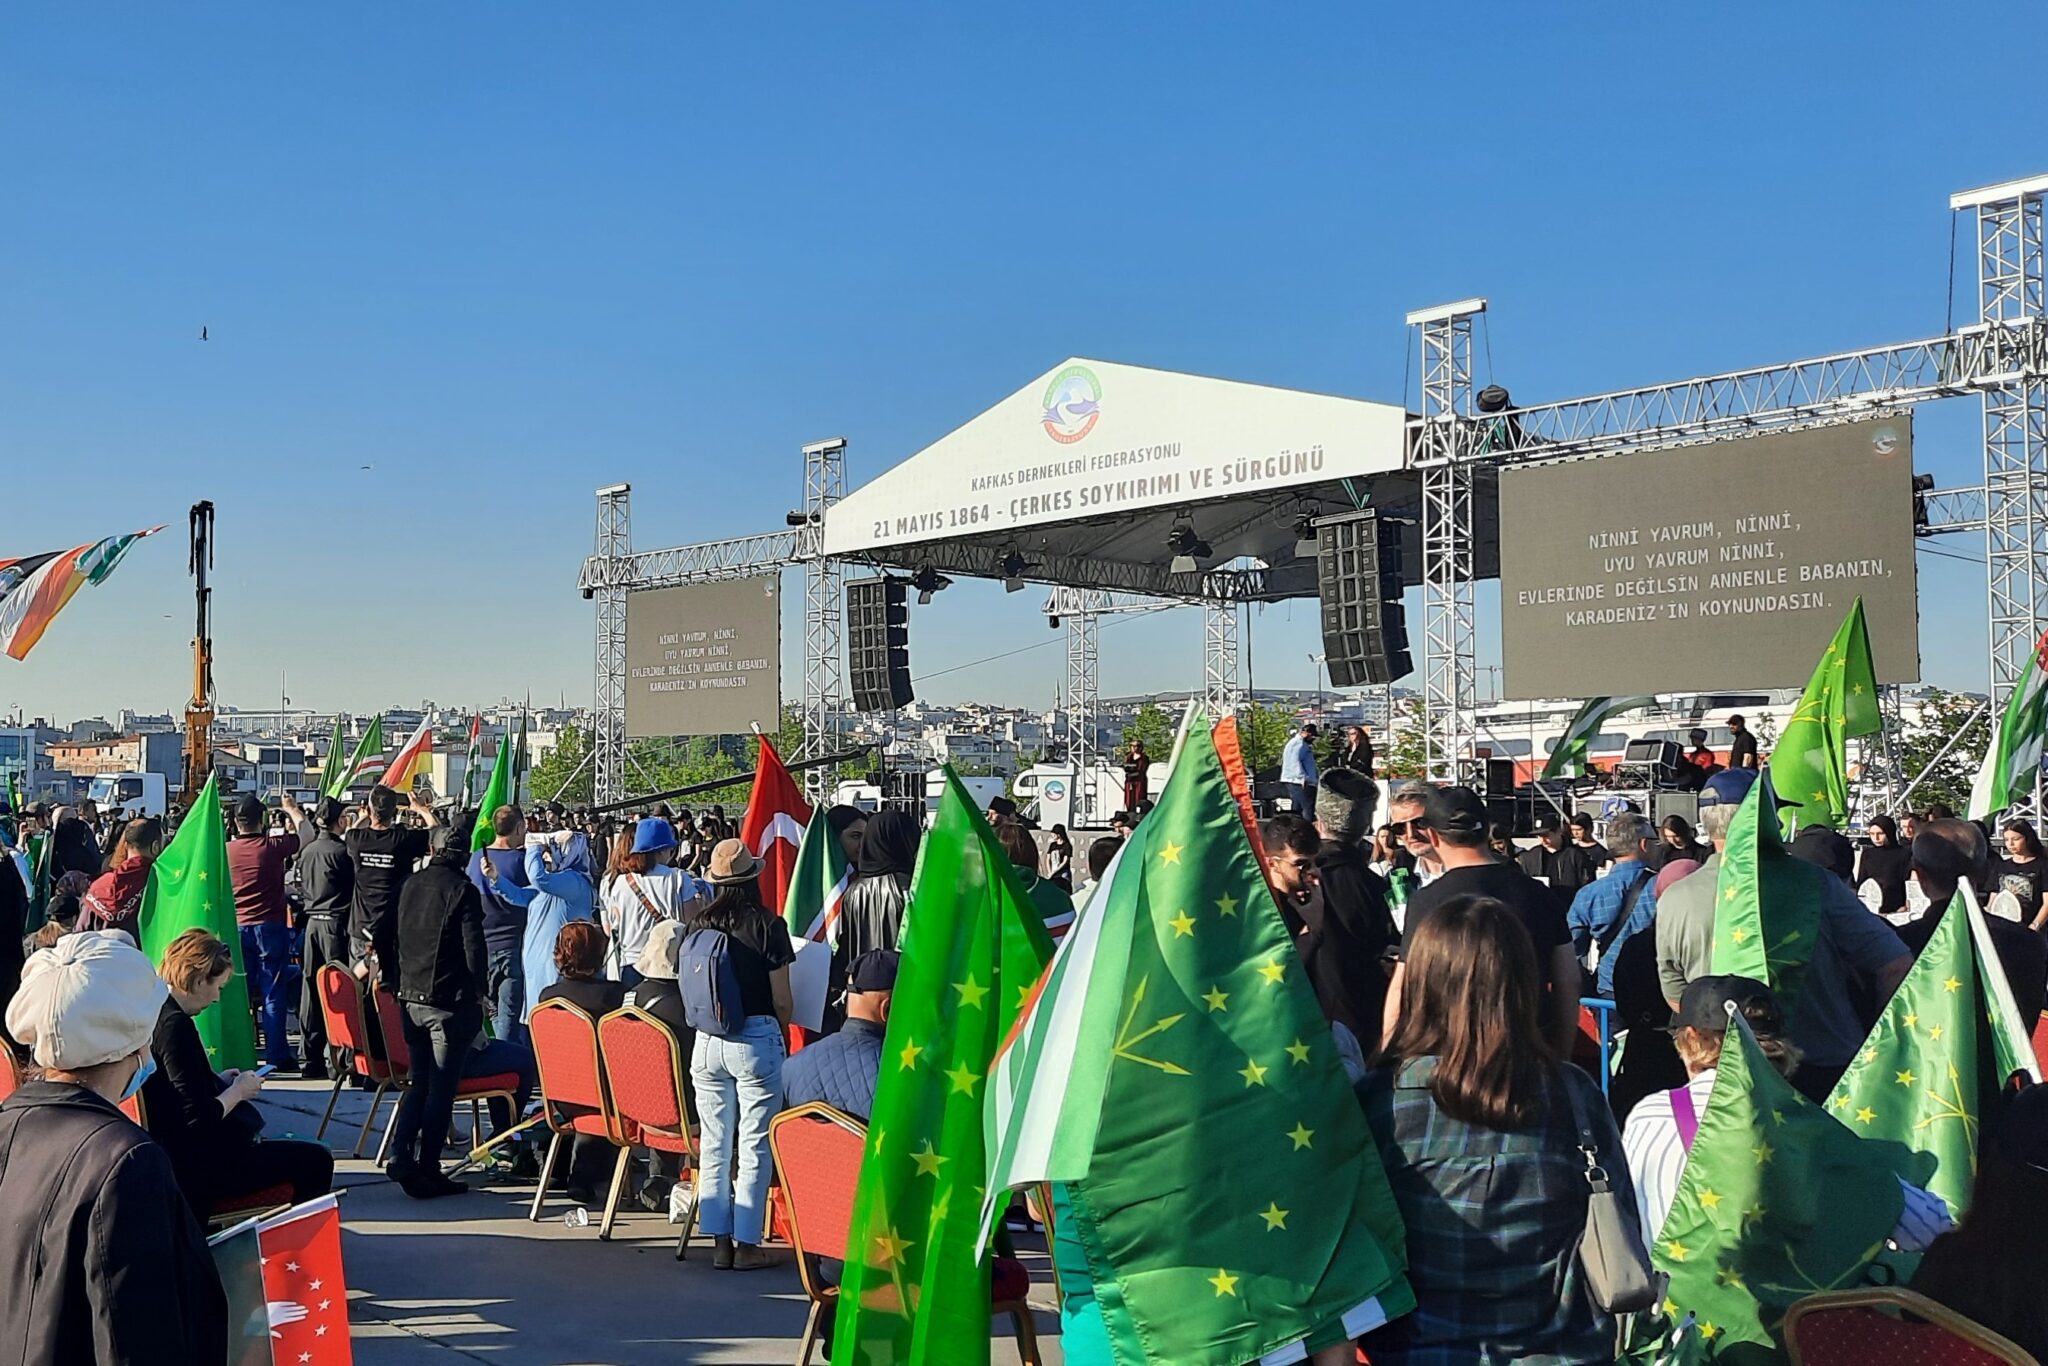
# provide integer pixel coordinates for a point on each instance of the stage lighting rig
(1014, 567)
(1187, 547)
(928, 581)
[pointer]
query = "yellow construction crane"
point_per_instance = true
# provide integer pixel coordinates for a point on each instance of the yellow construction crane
(199, 711)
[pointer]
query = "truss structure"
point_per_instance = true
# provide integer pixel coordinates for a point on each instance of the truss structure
(1439, 444)
(824, 700)
(1222, 682)
(611, 546)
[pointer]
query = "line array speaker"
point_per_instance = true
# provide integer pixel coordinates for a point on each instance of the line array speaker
(878, 644)
(1358, 577)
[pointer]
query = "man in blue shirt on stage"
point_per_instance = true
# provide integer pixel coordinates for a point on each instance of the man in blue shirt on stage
(1298, 771)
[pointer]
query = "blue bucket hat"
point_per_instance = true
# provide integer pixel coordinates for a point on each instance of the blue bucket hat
(652, 835)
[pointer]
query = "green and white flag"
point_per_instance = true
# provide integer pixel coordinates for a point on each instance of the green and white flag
(1766, 903)
(1915, 1085)
(1176, 1073)
(2012, 764)
(365, 761)
(497, 793)
(818, 883)
(190, 889)
(1810, 762)
(331, 767)
(1571, 746)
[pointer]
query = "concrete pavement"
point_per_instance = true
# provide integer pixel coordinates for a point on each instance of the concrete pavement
(433, 1283)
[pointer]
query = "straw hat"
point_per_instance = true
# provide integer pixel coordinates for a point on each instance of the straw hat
(731, 861)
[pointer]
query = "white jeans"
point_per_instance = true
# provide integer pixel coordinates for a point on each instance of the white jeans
(738, 1082)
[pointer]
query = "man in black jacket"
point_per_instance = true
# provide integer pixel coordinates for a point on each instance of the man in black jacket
(1345, 929)
(327, 879)
(1556, 860)
(440, 975)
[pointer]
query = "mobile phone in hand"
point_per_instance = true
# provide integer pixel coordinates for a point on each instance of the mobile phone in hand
(265, 1070)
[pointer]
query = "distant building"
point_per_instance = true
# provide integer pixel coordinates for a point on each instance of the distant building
(161, 752)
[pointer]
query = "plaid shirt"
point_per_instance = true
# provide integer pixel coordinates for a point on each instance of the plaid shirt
(1494, 1220)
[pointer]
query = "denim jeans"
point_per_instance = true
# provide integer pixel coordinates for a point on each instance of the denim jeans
(506, 979)
(267, 959)
(495, 1057)
(439, 1042)
(738, 1082)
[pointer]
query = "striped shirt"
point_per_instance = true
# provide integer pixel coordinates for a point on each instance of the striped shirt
(1656, 1159)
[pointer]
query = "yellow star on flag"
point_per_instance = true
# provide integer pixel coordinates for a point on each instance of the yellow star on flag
(1728, 895)
(1253, 1074)
(1298, 1051)
(1904, 1078)
(1226, 905)
(1738, 934)
(1217, 998)
(1272, 972)
(1762, 1152)
(1709, 1199)
(1274, 1216)
(1170, 854)
(928, 1162)
(1755, 1211)
(1677, 1249)
(1912, 1020)
(971, 993)
(1952, 986)
(1865, 1115)
(1225, 1283)
(1840, 1102)
(889, 1247)
(1301, 1134)
(963, 1079)
(1183, 925)
(908, 1057)
(1934, 1032)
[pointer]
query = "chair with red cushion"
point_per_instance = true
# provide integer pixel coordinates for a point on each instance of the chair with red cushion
(1892, 1326)
(644, 1076)
(573, 1093)
(10, 1072)
(817, 1156)
(341, 1005)
(475, 1090)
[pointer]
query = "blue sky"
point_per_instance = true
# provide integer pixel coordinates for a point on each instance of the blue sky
(507, 253)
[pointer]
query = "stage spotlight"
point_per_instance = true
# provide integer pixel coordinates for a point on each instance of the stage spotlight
(1013, 567)
(1052, 621)
(1305, 534)
(928, 581)
(1493, 399)
(1187, 547)
(796, 518)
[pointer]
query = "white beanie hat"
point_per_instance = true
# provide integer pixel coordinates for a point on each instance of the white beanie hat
(90, 998)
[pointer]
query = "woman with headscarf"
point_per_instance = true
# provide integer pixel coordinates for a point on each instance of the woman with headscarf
(873, 915)
(558, 868)
(73, 848)
(1886, 862)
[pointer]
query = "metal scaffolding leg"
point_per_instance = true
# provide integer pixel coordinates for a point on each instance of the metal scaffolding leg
(824, 703)
(612, 547)
(1221, 688)
(2010, 270)
(1083, 661)
(1449, 632)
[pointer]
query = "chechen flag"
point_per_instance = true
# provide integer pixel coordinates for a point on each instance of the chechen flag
(303, 1286)
(774, 824)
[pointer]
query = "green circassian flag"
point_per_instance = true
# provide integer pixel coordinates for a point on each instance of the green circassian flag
(497, 793)
(817, 885)
(189, 889)
(1810, 762)
(1777, 1202)
(1766, 902)
(1570, 753)
(2012, 763)
(367, 755)
(1915, 1085)
(1177, 1075)
(331, 767)
(915, 1289)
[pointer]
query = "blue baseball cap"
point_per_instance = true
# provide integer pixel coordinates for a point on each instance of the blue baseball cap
(652, 835)
(1728, 787)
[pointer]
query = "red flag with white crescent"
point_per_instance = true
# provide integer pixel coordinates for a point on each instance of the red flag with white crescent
(303, 1287)
(773, 828)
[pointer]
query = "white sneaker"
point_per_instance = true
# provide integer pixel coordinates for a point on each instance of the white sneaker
(681, 1200)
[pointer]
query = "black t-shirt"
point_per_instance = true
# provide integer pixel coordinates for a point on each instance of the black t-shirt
(2023, 880)
(1741, 748)
(384, 860)
(757, 944)
(1540, 909)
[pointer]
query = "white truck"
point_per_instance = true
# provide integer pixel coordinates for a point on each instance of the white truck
(129, 795)
(868, 796)
(1050, 793)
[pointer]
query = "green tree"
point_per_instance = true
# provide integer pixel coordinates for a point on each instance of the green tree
(1405, 753)
(1915, 746)
(1153, 726)
(564, 773)
(1262, 732)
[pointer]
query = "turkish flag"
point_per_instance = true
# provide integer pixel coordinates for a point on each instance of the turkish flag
(774, 825)
(302, 1284)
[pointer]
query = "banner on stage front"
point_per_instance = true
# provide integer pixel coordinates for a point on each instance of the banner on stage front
(705, 659)
(1710, 567)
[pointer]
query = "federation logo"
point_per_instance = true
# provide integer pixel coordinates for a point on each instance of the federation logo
(1054, 789)
(1073, 402)
(1885, 440)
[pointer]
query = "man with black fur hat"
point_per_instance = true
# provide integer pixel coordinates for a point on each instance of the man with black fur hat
(1346, 930)
(327, 878)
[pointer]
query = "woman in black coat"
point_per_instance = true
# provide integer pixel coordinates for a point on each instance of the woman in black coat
(207, 1121)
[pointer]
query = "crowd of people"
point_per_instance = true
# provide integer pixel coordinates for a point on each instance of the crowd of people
(1450, 963)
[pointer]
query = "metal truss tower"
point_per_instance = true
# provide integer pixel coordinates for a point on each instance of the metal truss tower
(2010, 259)
(824, 699)
(610, 553)
(1083, 620)
(1222, 688)
(1448, 630)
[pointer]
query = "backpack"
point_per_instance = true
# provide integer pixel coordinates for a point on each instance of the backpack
(710, 988)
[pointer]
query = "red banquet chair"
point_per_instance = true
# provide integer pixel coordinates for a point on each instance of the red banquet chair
(1893, 1326)
(644, 1076)
(234, 1208)
(476, 1090)
(341, 1006)
(573, 1093)
(817, 1155)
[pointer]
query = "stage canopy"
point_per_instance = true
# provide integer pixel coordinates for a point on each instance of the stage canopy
(1085, 472)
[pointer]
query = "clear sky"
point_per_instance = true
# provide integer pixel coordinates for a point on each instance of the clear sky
(505, 253)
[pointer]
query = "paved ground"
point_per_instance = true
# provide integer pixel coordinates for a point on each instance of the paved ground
(432, 1283)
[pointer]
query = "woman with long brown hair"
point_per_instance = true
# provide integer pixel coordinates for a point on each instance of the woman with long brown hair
(1474, 1116)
